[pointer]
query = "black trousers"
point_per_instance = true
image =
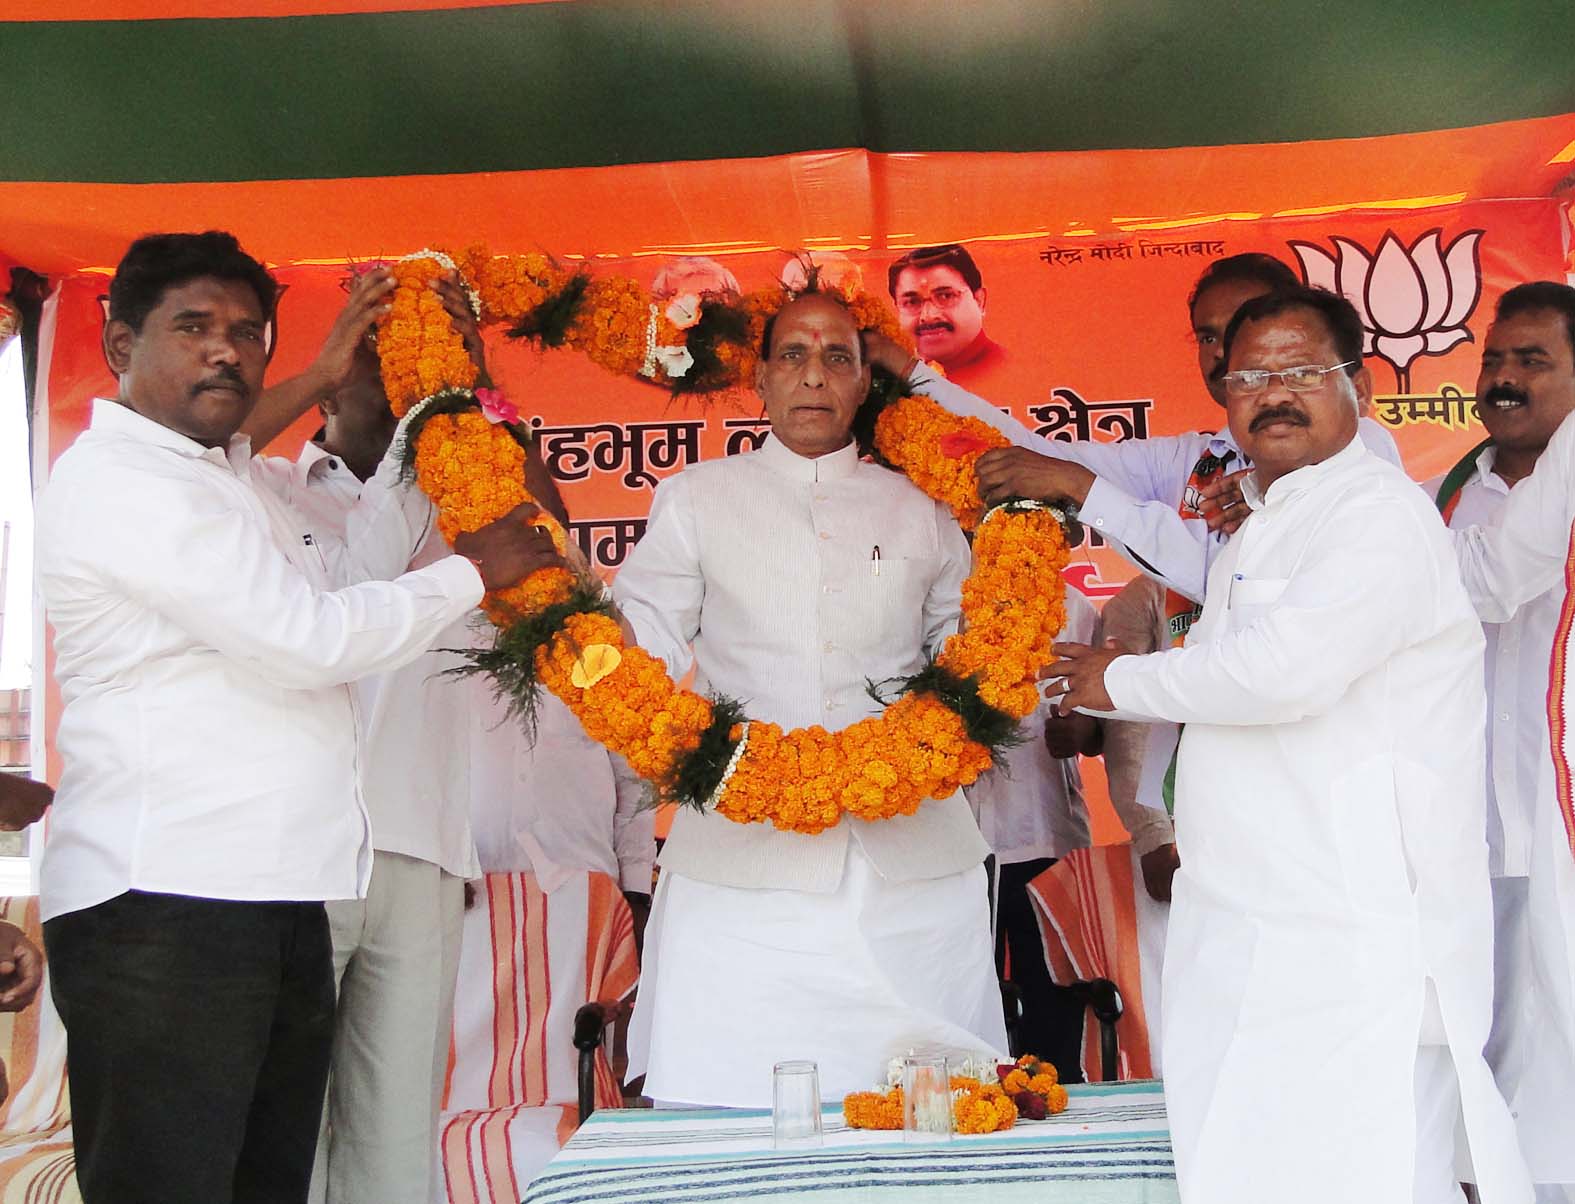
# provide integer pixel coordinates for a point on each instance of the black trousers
(198, 1035)
(1052, 1025)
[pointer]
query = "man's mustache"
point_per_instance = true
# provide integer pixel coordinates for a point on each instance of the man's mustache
(1277, 414)
(225, 376)
(932, 327)
(1502, 392)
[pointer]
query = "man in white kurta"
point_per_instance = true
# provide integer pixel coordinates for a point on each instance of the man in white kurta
(1143, 495)
(396, 951)
(787, 577)
(1516, 565)
(1328, 979)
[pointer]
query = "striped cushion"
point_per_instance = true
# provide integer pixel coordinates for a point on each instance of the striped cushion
(37, 1165)
(1090, 906)
(528, 961)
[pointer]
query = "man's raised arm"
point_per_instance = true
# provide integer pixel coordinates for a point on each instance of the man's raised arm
(1525, 555)
(281, 404)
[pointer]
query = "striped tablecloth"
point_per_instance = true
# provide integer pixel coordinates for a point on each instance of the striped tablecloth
(1111, 1146)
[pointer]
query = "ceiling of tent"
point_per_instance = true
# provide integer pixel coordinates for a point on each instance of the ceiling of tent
(324, 130)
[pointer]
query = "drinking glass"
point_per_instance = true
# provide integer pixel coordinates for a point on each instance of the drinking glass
(926, 1099)
(795, 1105)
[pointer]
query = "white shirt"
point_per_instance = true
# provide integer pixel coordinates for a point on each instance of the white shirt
(414, 727)
(208, 737)
(1031, 804)
(1135, 619)
(789, 583)
(558, 805)
(1140, 482)
(1517, 685)
(854, 578)
(1524, 555)
(1331, 814)
(1507, 567)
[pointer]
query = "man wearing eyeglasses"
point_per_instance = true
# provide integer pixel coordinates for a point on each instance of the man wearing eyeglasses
(1141, 495)
(1328, 976)
(940, 299)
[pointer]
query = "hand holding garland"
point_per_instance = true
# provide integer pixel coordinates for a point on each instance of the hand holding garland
(510, 549)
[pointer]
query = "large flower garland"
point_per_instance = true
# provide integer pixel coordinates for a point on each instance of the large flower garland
(943, 729)
(985, 1099)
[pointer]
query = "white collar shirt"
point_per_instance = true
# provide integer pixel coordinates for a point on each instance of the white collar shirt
(414, 731)
(207, 733)
(1518, 652)
(1525, 554)
(1031, 804)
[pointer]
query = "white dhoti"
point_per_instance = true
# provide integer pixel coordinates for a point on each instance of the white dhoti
(735, 980)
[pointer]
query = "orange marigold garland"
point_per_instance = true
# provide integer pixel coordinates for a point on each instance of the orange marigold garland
(467, 453)
(1028, 1089)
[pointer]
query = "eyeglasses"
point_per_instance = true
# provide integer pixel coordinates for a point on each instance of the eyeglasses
(1249, 382)
(942, 298)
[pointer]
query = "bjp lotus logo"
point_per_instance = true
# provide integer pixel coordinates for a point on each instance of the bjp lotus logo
(1413, 302)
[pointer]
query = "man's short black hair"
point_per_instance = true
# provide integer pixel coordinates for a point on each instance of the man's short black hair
(1338, 315)
(1538, 295)
(156, 263)
(1251, 267)
(951, 255)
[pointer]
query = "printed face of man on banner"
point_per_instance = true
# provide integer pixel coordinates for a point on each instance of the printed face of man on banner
(940, 299)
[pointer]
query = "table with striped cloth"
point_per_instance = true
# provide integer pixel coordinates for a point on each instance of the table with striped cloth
(1111, 1146)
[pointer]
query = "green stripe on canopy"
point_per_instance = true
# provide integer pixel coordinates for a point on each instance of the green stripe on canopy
(591, 84)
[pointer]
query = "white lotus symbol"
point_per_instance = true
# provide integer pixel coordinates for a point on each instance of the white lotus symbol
(1412, 302)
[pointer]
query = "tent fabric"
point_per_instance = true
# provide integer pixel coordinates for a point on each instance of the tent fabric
(332, 129)
(594, 84)
(849, 199)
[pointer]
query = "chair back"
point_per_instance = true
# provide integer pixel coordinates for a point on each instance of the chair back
(1097, 922)
(37, 1163)
(528, 960)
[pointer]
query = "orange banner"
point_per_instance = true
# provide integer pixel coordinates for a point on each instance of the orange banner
(1092, 343)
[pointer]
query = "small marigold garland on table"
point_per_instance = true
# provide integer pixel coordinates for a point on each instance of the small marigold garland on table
(466, 450)
(1028, 1089)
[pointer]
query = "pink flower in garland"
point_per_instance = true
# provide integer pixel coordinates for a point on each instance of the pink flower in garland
(497, 408)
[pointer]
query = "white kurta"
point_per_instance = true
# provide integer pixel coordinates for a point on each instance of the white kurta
(1031, 805)
(1330, 806)
(1523, 1049)
(789, 582)
(1506, 568)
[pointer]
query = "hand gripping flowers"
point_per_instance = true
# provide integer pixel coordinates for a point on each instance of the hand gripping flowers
(556, 631)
